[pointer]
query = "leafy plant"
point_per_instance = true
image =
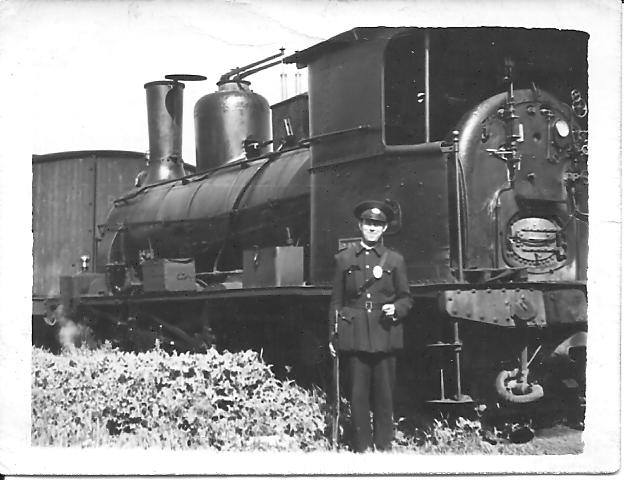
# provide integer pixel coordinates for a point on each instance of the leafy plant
(221, 401)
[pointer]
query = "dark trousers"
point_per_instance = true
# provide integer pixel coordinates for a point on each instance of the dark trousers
(371, 375)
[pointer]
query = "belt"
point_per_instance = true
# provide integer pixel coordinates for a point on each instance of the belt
(368, 306)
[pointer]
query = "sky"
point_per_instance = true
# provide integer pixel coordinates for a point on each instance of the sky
(72, 76)
(88, 61)
(92, 60)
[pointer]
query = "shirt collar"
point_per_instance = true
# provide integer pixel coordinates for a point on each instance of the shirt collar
(378, 248)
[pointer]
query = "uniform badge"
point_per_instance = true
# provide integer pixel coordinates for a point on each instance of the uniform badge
(377, 272)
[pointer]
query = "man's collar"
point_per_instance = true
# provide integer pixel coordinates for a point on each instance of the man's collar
(378, 248)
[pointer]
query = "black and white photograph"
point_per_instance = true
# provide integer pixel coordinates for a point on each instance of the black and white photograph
(334, 237)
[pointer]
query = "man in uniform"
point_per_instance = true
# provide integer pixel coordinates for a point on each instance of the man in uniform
(370, 298)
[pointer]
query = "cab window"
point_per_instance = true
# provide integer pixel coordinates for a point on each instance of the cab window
(404, 90)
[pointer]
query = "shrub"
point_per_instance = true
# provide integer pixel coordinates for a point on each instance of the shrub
(223, 401)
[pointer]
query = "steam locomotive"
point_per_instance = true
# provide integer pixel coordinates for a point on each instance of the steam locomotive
(476, 138)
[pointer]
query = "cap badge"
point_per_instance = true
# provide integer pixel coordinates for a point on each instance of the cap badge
(375, 211)
(377, 272)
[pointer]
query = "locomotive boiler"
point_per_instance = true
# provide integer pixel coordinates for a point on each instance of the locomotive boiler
(476, 138)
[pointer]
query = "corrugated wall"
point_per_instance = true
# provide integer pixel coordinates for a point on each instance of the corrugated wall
(72, 194)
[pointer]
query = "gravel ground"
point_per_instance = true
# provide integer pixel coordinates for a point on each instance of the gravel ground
(557, 440)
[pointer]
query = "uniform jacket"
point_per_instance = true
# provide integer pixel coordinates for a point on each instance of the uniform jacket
(360, 329)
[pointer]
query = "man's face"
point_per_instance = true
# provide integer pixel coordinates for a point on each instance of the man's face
(372, 230)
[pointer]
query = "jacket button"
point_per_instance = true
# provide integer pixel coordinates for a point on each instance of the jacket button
(368, 295)
(367, 266)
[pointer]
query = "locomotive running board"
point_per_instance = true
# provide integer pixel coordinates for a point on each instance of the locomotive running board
(207, 295)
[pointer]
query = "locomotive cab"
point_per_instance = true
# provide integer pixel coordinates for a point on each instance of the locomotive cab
(376, 112)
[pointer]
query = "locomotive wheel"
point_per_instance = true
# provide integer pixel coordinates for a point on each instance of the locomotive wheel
(512, 391)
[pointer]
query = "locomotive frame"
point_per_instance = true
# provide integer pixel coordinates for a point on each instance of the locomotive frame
(354, 149)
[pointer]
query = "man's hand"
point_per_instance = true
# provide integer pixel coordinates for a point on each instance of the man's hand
(389, 310)
(332, 349)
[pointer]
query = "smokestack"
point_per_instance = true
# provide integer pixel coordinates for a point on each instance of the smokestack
(164, 122)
